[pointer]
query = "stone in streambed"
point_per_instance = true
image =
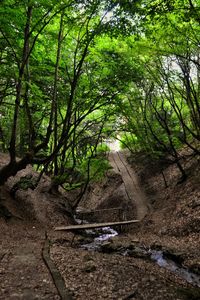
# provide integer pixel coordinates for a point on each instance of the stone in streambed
(109, 247)
(138, 252)
(171, 254)
(195, 268)
(174, 255)
(125, 247)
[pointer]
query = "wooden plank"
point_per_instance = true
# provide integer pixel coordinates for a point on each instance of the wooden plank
(94, 225)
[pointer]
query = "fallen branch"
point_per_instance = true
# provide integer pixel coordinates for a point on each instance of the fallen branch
(55, 274)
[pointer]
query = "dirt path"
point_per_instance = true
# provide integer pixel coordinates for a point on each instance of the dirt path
(131, 184)
(23, 273)
(88, 274)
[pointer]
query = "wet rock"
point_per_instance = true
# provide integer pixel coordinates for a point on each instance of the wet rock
(108, 247)
(138, 252)
(120, 243)
(172, 254)
(155, 246)
(195, 268)
(176, 256)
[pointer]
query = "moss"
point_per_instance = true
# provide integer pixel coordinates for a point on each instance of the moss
(25, 183)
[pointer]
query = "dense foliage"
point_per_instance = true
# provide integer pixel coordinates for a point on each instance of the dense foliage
(75, 73)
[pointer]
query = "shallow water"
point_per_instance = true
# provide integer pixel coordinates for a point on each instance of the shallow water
(172, 266)
(105, 234)
(157, 256)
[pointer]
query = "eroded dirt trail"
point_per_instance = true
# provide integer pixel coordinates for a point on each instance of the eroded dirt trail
(134, 192)
(23, 274)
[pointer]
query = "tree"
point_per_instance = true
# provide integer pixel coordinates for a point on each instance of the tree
(50, 132)
(74, 72)
(161, 110)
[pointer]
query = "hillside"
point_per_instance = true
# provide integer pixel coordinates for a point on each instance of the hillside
(171, 225)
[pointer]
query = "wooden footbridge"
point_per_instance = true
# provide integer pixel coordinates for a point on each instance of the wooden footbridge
(94, 225)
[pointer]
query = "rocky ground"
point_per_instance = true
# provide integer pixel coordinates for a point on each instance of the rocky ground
(172, 225)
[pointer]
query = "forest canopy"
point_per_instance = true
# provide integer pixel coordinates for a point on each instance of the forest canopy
(77, 73)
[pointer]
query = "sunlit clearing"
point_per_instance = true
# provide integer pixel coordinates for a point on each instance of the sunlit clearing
(114, 145)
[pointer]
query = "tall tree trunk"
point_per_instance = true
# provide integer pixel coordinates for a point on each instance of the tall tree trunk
(54, 100)
(12, 147)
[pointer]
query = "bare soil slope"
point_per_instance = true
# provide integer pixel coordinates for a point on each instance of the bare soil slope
(174, 221)
(28, 204)
(131, 185)
(172, 224)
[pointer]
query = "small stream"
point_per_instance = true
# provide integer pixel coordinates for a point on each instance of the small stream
(158, 257)
(104, 234)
